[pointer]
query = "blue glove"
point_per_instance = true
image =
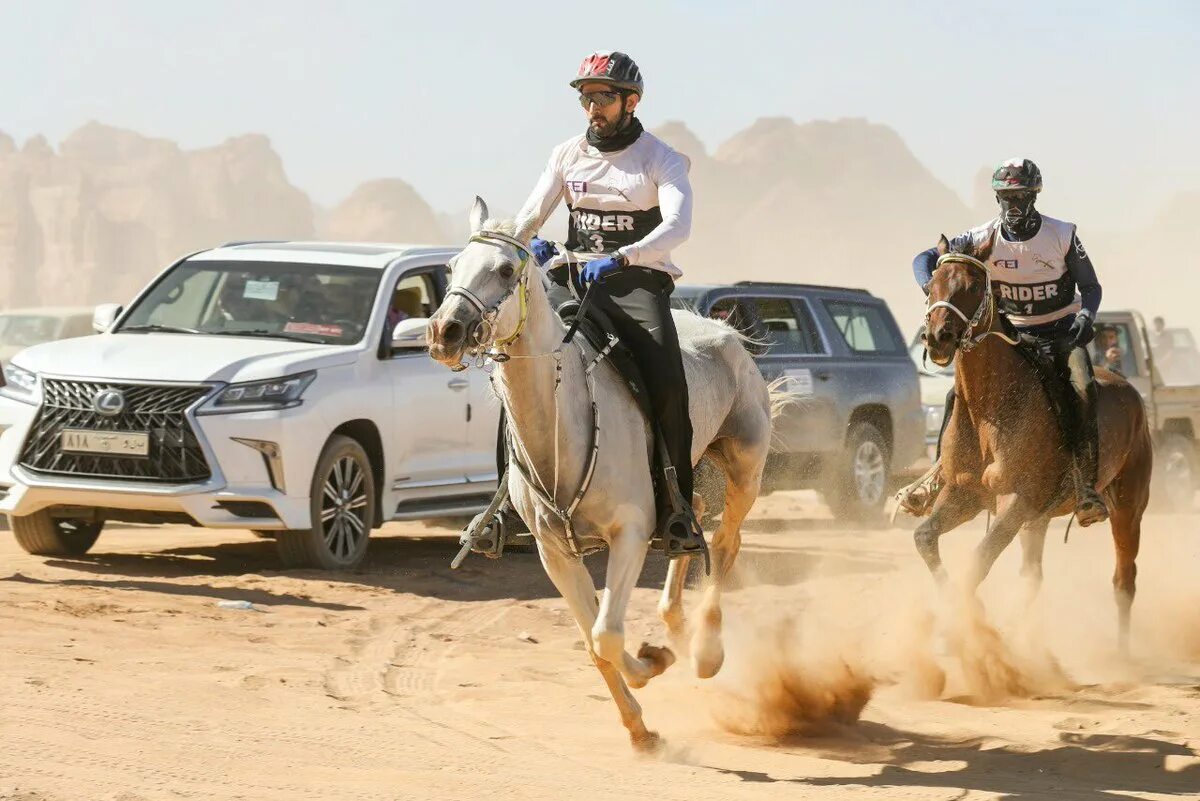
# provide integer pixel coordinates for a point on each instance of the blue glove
(598, 268)
(542, 250)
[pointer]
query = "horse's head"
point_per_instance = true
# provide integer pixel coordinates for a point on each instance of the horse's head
(957, 299)
(485, 303)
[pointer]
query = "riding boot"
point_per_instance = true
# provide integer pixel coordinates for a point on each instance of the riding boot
(1085, 445)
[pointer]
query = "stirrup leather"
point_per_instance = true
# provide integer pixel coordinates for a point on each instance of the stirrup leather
(679, 532)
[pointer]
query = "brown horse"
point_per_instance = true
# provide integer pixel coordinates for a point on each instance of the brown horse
(1003, 449)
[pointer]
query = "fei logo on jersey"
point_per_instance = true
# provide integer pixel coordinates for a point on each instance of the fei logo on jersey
(579, 187)
(1008, 264)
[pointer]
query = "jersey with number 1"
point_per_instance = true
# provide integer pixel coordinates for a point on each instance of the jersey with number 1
(1032, 282)
(637, 200)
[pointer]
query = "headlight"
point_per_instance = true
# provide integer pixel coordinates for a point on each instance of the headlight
(933, 419)
(276, 393)
(19, 384)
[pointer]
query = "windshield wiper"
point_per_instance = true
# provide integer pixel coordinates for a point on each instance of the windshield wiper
(159, 328)
(262, 332)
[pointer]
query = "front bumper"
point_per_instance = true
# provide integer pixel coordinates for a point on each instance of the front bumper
(239, 473)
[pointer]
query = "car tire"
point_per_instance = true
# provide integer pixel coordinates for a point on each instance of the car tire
(342, 506)
(44, 535)
(856, 483)
(1175, 473)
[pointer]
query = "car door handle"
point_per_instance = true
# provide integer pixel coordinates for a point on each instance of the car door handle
(458, 383)
(822, 375)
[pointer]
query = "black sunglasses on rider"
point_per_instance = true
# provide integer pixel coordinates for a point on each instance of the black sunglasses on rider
(601, 99)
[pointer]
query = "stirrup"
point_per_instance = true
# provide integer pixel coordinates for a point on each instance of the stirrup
(1090, 508)
(679, 532)
(486, 533)
(917, 498)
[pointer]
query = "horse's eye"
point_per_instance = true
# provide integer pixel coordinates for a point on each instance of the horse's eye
(506, 271)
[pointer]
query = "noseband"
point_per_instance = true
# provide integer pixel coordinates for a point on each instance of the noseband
(987, 305)
(487, 344)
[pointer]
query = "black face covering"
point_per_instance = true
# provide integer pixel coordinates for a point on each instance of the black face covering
(621, 139)
(1019, 219)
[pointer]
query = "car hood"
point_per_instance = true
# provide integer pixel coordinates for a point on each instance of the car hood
(179, 357)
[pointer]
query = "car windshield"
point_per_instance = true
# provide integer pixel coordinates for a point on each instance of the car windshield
(306, 302)
(23, 330)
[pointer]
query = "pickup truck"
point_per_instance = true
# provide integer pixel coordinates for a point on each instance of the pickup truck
(856, 421)
(1123, 344)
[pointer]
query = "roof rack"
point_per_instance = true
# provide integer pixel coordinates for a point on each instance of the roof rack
(237, 242)
(790, 285)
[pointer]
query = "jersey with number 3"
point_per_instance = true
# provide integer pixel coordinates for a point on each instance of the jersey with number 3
(637, 201)
(1030, 278)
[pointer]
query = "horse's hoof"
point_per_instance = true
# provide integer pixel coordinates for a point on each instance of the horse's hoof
(647, 744)
(707, 657)
(657, 657)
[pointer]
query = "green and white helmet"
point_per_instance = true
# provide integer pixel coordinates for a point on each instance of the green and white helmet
(1017, 174)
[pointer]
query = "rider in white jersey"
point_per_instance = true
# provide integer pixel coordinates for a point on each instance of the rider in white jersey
(630, 204)
(1047, 288)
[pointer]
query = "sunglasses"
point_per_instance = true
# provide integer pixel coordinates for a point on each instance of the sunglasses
(601, 99)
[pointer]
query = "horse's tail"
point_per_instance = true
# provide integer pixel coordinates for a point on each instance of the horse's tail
(780, 396)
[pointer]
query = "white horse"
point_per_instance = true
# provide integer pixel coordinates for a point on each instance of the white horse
(578, 498)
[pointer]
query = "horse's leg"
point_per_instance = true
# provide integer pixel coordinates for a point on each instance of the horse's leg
(743, 462)
(1013, 512)
(670, 605)
(575, 584)
(1129, 495)
(626, 553)
(952, 508)
(1033, 543)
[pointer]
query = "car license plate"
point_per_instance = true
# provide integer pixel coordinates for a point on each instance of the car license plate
(117, 443)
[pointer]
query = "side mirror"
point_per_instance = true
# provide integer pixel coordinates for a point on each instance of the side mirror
(104, 316)
(410, 334)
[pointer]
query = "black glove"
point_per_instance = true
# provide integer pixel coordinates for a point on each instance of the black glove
(1082, 330)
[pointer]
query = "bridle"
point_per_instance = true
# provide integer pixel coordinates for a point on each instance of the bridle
(488, 345)
(987, 306)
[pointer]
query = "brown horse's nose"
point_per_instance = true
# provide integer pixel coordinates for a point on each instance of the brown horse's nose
(944, 336)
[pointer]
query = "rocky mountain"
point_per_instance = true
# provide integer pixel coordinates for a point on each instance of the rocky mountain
(839, 202)
(842, 202)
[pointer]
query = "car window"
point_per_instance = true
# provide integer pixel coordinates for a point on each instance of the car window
(308, 302)
(1112, 347)
(786, 328)
(863, 327)
(413, 296)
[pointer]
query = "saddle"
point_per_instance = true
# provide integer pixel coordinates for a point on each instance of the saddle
(678, 532)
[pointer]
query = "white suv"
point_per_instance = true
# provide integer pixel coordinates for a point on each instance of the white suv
(281, 387)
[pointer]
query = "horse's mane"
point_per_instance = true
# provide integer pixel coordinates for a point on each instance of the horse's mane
(506, 227)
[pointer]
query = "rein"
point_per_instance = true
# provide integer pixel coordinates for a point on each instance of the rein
(969, 339)
(488, 346)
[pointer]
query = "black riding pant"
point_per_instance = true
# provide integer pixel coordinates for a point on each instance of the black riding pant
(637, 300)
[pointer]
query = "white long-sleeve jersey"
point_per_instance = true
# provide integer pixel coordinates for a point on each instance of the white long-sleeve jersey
(636, 201)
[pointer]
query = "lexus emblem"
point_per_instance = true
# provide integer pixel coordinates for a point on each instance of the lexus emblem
(109, 402)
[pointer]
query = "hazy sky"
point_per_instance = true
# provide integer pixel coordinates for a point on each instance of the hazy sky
(466, 97)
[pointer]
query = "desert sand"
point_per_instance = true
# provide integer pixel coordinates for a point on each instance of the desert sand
(121, 678)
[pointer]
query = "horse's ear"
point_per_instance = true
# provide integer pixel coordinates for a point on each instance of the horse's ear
(478, 215)
(943, 245)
